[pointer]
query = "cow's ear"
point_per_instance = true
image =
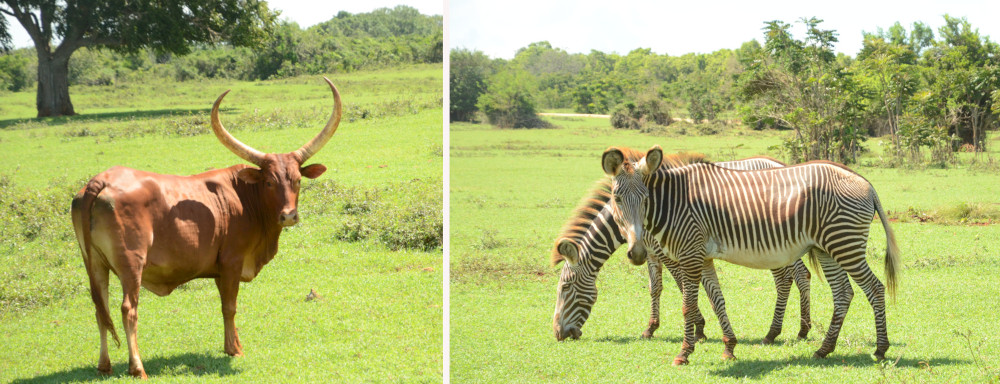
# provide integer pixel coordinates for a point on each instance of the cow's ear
(611, 160)
(312, 171)
(250, 175)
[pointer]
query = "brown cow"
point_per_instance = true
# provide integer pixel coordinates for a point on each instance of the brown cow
(160, 231)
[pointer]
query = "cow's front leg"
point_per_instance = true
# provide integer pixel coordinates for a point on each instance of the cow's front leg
(229, 288)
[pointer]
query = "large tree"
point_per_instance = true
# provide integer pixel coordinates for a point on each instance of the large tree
(60, 27)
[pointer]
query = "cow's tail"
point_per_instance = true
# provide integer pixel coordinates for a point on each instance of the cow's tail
(86, 202)
(891, 252)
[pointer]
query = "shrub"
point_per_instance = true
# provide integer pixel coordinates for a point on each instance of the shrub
(16, 71)
(508, 102)
(637, 115)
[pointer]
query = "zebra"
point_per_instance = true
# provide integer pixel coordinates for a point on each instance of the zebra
(759, 219)
(590, 238)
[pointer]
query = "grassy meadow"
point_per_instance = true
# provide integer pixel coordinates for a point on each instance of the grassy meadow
(512, 190)
(368, 242)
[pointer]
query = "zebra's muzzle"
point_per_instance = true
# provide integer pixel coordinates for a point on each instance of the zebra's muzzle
(637, 254)
(569, 332)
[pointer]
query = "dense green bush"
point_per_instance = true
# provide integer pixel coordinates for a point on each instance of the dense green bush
(467, 78)
(17, 70)
(639, 114)
(508, 102)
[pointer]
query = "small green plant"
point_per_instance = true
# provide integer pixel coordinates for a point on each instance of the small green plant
(490, 239)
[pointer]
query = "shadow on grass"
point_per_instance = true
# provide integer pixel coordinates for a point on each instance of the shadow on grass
(680, 338)
(757, 369)
(195, 364)
(54, 121)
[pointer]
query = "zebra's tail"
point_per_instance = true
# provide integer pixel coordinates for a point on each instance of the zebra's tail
(814, 262)
(892, 251)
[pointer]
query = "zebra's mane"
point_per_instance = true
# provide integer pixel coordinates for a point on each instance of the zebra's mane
(588, 209)
(677, 160)
(670, 160)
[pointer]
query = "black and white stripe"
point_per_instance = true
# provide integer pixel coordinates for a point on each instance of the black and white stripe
(760, 219)
(594, 237)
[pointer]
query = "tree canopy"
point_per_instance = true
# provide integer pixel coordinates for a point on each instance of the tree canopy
(126, 27)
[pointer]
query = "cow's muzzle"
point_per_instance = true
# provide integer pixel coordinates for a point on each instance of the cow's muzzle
(289, 219)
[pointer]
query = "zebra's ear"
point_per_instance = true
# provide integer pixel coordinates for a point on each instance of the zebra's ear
(611, 160)
(568, 251)
(653, 159)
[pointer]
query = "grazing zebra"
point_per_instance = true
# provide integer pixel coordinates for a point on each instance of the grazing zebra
(760, 219)
(591, 237)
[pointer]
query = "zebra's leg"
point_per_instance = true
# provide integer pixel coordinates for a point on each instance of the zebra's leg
(711, 282)
(782, 284)
(802, 279)
(858, 269)
(842, 295)
(655, 288)
(691, 263)
(675, 271)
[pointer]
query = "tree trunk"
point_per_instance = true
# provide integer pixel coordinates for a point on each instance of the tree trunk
(53, 85)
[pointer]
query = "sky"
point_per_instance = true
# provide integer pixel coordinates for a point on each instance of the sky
(499, 28)
(304, 12)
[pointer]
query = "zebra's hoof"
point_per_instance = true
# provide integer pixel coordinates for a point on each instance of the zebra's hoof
(700, 337)
(726, 355)
(680, 360)
(647, 334)
(767, 341)
(819, 355)
(879, 357)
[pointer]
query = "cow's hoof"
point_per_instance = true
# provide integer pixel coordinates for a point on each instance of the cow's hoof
(138, 373)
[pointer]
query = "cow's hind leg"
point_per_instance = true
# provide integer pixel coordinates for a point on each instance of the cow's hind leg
(842, 295)
(131, 281)
(100, 280)
(229, 288)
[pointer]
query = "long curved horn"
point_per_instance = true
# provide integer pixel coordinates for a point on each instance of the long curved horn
(320, 140)
(242, 150)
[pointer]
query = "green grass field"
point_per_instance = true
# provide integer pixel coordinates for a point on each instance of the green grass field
(512, 190)
(368, 241)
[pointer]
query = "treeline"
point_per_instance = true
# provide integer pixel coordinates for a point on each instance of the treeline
(926, 91)
(385, 37)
